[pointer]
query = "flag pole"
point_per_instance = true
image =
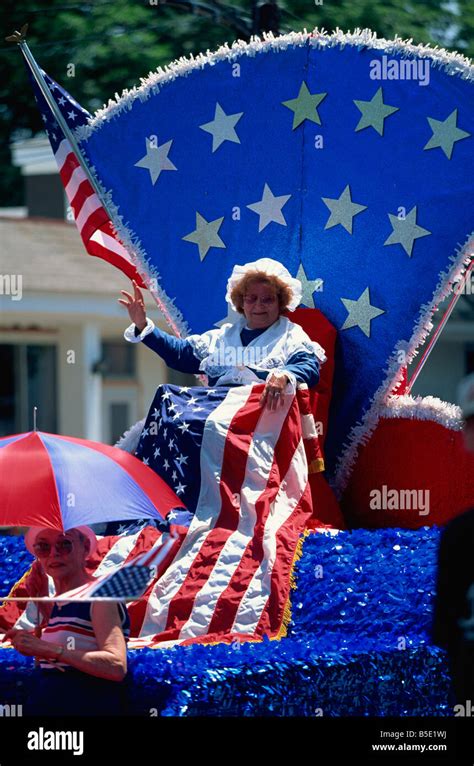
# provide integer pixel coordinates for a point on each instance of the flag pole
(459, 290)
(20, 39)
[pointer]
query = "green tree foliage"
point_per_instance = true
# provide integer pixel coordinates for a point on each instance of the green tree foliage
(113, 43)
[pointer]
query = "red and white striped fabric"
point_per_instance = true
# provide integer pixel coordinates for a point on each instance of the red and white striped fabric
(91, 219)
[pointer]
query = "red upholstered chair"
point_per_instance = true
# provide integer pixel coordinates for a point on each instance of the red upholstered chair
(326, 511)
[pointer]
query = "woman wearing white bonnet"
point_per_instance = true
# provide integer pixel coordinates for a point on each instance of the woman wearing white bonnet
(261, 345)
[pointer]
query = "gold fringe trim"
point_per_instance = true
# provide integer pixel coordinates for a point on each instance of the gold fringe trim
(17, 585)
(316, 466)
(287, 610)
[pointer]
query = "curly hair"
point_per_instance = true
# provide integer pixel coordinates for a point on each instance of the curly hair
(282, 290)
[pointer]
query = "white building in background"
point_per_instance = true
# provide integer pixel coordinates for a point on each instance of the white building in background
(61, 339)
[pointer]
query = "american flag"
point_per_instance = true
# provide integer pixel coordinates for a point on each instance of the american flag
(243, 472)
(91, 218)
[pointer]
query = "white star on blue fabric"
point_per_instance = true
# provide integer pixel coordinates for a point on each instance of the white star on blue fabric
(405, 231)
(269, 208)
(343, 210)
(309, 287)
(361, 313)
(445, 134)
(222, 127)
(156, 159)
(205, 235)
(374, 112)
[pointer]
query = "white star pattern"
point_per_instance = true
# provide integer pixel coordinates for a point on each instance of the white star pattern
(269, 209)
(156, 159)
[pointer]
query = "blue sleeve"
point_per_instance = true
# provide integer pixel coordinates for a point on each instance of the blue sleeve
(305, 368)
(176, 352)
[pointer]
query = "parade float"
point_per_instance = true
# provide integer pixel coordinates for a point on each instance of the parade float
(345, 157)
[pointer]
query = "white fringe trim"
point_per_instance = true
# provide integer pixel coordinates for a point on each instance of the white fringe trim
(129, 441)
(450, 62)
(423, 408)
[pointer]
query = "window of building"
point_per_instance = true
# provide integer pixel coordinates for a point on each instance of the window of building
(28, 379)
(118, 359)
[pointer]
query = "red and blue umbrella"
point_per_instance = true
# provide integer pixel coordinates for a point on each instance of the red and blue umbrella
(48, 480)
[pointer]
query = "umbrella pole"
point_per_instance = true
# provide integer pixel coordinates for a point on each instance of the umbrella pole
(37, 627)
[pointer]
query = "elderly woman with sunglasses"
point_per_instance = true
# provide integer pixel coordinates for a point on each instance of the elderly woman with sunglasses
(82, 650)
(262, 345)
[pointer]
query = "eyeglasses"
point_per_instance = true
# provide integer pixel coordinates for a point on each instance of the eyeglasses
(254, 298)
(63, 547)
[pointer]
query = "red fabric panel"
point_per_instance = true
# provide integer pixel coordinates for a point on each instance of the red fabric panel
(320, 329)
(326, 510)
(407, 454)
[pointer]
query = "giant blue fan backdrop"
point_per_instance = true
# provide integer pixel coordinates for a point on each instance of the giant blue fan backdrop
(348, 158)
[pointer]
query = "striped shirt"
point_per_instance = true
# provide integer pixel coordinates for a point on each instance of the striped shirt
(70, 625)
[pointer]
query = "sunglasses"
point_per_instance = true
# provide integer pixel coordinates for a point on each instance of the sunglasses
(63, 547)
